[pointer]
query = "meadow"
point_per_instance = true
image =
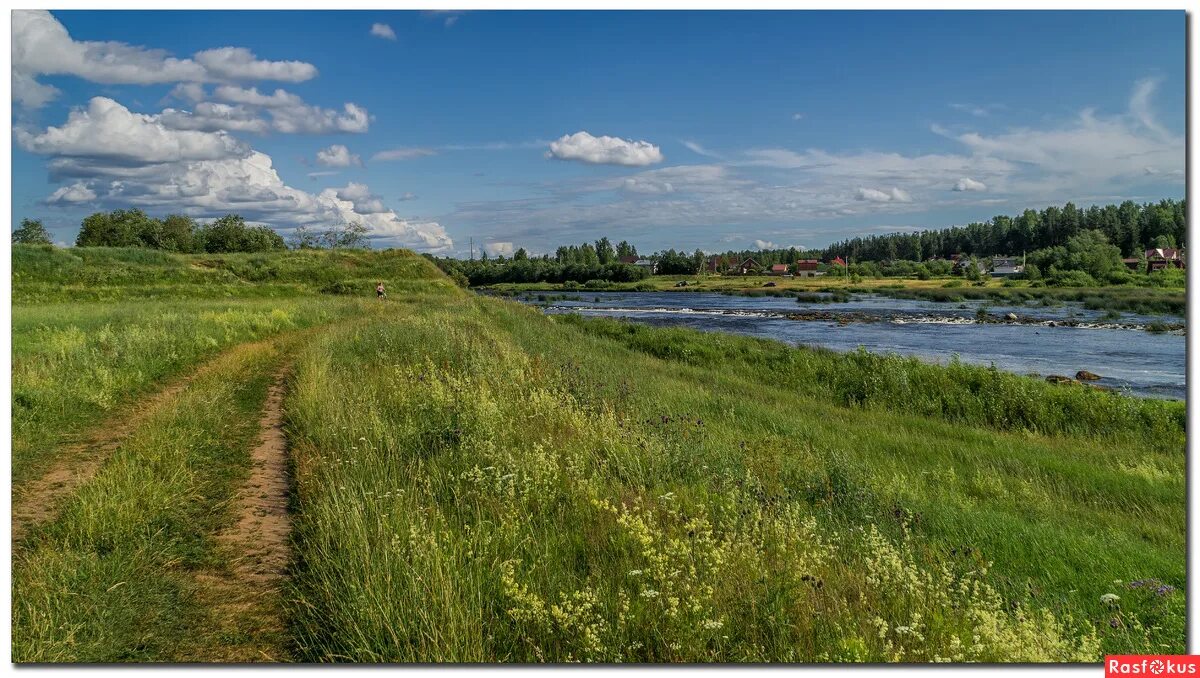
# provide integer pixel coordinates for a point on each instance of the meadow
(474, 481)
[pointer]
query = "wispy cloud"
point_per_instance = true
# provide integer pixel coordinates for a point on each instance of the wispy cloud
(696, 148)
(383, 31)
(402, 154)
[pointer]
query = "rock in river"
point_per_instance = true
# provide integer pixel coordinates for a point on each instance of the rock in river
(1084, 375)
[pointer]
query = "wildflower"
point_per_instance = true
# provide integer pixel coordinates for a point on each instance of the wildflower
(1110, 599)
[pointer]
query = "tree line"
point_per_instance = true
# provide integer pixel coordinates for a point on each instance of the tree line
(1130, 227)
(181, 233)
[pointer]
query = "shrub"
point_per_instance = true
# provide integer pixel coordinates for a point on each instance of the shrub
(1072, 279)
(339, 287)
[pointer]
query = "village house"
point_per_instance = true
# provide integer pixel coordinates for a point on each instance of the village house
(748, 266)
(647, 264)
(779, 269)
(632, 259)
(1006, 266)
(807, 268)
(1162, 257)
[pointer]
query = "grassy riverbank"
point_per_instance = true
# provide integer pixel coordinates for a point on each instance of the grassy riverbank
(1117, 298)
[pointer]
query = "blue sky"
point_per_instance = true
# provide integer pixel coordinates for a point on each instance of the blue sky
(715, 130)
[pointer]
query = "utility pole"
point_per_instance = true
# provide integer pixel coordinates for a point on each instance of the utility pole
(472, 248)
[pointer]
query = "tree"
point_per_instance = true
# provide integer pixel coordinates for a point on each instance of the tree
(31, 232)
(231, 234)
(304, 238)
(347, 235)
(178, 233)
(604, 251)
(1164, 242)
(624, 249)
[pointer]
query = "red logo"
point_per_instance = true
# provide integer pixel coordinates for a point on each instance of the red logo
(1151, 665)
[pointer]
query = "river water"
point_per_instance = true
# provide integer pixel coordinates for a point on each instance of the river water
(1128, 358)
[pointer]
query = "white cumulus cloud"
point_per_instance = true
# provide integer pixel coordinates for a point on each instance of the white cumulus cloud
(604, 150)
(969, 184)
(112, 156)
(499, 248)
(108, 130)
(383, 31)
(239, 63)
(210, 116)
(875, 195)
(337, 155)
(77, 192)
(41, 45)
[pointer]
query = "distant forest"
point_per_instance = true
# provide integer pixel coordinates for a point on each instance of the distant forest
(1130, 226)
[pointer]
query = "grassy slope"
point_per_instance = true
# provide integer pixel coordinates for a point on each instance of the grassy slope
(478, 482)
(607, 504)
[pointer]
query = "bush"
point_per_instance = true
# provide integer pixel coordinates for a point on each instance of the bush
(340, 287)
(1071, 279)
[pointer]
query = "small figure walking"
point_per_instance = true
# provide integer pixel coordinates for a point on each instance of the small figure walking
(379, 292)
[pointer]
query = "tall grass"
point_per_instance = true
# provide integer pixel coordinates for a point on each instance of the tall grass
(75, 363)
(95, 328)
(957, 392)
(113, 578)
(478, 483)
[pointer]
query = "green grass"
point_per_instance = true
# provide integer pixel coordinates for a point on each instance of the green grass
(501, 487)
(113, 578)
(89, 337)
(474, 481)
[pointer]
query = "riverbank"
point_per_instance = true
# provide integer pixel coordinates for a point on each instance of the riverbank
(1142, 355)
(1118, 298)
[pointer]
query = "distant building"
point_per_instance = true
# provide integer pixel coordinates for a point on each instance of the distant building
(1006, 266)
(837, 261)
(632, 259)
(779, 269)
(807, 268)
(648, 264)
(962, 263)
(1162, 257)
(748, 266)
(1133, 263)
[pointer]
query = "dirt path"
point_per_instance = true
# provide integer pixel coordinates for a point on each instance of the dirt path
(244, 599)
(38, 500)
(260, 533)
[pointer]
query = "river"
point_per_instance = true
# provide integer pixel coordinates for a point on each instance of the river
(1060, 339)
